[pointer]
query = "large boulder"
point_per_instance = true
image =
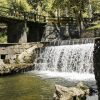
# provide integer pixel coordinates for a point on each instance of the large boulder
(78, 92)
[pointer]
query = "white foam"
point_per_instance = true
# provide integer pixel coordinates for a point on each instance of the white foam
(68, 76)
(74, 62)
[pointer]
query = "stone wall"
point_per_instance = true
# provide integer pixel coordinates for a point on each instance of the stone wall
(63, 31)
(10, 51)
(55, 31)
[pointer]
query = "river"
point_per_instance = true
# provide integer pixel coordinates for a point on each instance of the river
(32, 86)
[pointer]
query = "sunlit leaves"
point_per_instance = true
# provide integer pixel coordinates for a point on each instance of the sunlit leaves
(3, 3)
(20, 5)
(51, 6)
(95, 5)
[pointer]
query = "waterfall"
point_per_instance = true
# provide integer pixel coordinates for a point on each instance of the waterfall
(76, 58)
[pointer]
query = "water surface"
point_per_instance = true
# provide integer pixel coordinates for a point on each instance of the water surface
(30, 86)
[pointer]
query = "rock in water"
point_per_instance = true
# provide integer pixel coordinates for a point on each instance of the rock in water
(78, 92)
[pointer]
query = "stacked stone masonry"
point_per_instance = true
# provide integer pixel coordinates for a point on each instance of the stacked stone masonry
(9, 51)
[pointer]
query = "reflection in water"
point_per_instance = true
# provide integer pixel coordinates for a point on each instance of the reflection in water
(24, 87)
(31, 87)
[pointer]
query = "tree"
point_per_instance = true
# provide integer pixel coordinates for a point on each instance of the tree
(95, 6)
(78, 8)
(42, 7)
(3, 4)
(19, 5)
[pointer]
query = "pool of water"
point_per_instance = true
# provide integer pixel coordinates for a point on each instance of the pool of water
(32, 86)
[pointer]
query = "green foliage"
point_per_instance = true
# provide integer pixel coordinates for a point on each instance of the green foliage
(94, 27)
(51, 6)
(3, 3)
(85, 15)
(19, 5)
(3, 38)
(95, 5)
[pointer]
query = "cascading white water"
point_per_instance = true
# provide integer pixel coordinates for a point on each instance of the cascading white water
(66, 59)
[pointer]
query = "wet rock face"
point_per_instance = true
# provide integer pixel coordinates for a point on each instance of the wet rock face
(72, 93)
(8, 69)
(24, 62)
(96, 60)
(29, 55)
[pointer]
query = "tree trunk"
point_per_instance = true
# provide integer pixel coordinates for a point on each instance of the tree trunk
(80, 25)
(66, 12)
(90, 10)
(58, 15)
